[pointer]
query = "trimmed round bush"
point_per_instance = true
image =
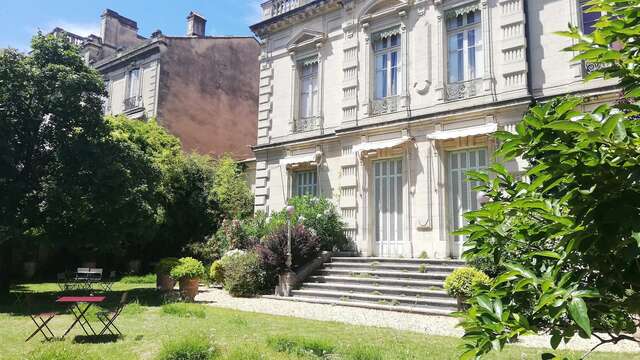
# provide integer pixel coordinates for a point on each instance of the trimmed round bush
(244, 276)
(196, 347)
(216, 272)
(188, 268)
(165, 265)
(461, 282)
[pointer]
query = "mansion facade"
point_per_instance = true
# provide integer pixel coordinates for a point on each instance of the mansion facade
(383, 105)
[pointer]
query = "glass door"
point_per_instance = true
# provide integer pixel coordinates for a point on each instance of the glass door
(388, 207)
(462, 197)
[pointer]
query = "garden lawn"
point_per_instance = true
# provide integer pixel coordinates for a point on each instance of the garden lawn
(238, 335)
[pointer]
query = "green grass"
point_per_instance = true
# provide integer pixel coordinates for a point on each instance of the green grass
(237, 335)
(185, 310)
(139, 279)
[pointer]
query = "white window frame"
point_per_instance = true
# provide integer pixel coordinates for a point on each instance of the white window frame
(387, 50)
(313, 95)
(463, 29)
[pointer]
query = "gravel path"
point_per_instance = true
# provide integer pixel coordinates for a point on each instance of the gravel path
(432, 325)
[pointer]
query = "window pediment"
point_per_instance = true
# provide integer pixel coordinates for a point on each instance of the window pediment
(306, 38)
(377, 8)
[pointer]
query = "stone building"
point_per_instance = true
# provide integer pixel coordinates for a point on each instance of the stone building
(383, 105)
(203, 89)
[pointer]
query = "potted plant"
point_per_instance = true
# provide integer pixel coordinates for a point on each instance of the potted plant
(188, 272)
(164, 281)
(461, 282)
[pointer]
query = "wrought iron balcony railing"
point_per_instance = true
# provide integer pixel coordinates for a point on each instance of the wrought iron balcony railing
(132, 103)
(307, 124)
(384, 106)
(273, 8)
(463, 90)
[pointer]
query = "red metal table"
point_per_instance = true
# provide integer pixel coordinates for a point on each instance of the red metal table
(80, 318)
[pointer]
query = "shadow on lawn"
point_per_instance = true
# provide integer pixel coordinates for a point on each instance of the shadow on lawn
(45, 301)
(96, 339)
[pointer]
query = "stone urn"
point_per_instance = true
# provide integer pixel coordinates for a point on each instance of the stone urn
(164, 282)
(189, 288)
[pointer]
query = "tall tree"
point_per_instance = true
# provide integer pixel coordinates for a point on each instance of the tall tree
(50, 107)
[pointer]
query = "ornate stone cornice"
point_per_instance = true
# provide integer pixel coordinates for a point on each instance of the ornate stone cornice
(295, 16)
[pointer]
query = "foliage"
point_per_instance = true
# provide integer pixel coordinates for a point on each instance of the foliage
(191, 347)
(184, 310)
(188, 268)
(139, 279)
(192, 212)
(165, 265)
(461, 282)
(305, 246)
(318, 214)
(216, 272)
(244, 276)
(567, 242)
(231, 189)
(301, 346)
(58, 352)
(364, 352)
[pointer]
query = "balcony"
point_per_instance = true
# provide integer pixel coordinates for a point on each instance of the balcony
(463, 90)
(273, 8)
(589, 67)
(133, 104)
(307, 124)
(384, 106)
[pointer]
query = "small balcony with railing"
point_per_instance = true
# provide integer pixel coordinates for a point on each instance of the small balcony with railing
(463, 89)
(273, 8)
(133, 105)
(306, 124)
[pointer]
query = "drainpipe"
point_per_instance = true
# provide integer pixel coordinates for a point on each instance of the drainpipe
(528, 53)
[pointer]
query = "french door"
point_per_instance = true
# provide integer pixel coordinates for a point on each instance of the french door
(388, 207)
(462, 197)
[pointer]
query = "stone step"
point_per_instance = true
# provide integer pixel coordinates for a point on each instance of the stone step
(447, 304)
(396, 274)
(407, 309)
(445, 262)
(369, 289)
(423, 268)
(411, 283)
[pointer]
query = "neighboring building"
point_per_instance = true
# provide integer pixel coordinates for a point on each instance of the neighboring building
(383, 105)
(203, 89)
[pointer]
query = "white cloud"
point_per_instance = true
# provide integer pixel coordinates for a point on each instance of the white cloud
(78, 28)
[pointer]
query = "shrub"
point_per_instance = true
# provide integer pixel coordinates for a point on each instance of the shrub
(305, 246)
(231, 189)
(301, 346)
(216, 272)
(165, 265)
(317, 214)
(461, 282)
(139, 279)
(244, 276)
(196, 347)
(184, 310)
(188, 268)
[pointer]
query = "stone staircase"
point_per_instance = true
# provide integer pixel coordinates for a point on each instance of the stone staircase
(407, 285)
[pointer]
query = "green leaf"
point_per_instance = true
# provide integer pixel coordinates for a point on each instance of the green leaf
(485, 303)
(579, 314)
(556, 338)
(610, 125)
(636, 237)
(548, 254)
(565, 125)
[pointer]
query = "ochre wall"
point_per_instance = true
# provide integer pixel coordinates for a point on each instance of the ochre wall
(208, 94)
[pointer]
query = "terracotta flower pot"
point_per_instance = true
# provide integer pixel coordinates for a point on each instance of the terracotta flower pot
(164, 282)
(189, 288)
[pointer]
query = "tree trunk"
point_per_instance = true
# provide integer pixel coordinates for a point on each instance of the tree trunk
(5, 267)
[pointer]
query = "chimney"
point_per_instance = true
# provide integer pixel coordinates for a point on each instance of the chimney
(196, 24)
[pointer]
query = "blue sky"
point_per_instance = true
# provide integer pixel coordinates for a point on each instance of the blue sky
(20, 19)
